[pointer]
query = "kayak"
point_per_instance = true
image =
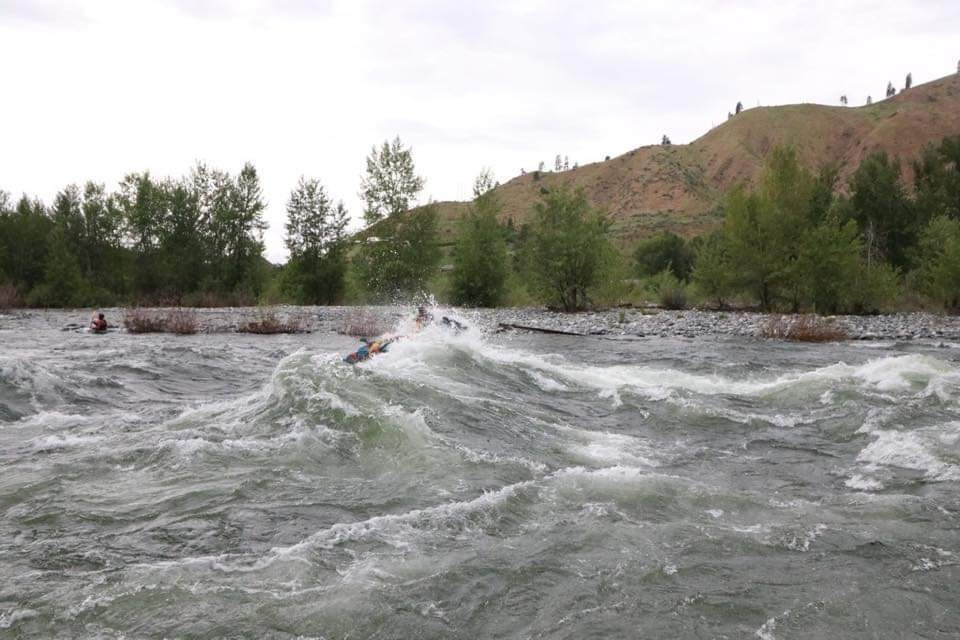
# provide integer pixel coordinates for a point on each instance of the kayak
(369, 349)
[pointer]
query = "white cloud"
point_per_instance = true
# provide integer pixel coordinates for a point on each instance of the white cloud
(104, 88)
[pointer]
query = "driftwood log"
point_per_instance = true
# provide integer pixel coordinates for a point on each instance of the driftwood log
(519, 327)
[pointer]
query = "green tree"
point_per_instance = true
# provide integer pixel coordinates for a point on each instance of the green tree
(400, 260)
(102, 239)
(67, 213)
(142, 203)
(63, 284)
(402, 252)
(24, 234)
(244, 225)
(390, 184)
(568, 247)
(937, 179)
(211, 190)
(6, 224)
(712, 274)
(877, 289)
(316, 231)
(755, 245)
(763, 229)
(823, 196)
(181, 241)
(939, 270)
(480, 256)
(665, 250)
(828, 265)
(883, 211)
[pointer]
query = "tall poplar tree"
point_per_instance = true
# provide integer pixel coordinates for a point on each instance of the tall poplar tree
(391, 184)
(403, 253)
(316, 235)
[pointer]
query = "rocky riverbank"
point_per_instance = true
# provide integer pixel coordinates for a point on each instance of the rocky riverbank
(691, 324)
(625, 322)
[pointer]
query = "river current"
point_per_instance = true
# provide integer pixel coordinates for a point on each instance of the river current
(475, 486)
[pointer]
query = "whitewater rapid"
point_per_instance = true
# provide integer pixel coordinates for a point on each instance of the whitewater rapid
(469, 485)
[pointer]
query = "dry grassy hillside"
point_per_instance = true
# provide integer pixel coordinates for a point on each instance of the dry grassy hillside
(678, 187)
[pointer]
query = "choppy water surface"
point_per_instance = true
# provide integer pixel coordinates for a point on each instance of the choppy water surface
(475, 486)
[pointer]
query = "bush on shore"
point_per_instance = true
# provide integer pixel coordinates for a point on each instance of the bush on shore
(10, 297)
(804, 328)
(143, 321)
(668, 290)
(269, 323)
(181, 322)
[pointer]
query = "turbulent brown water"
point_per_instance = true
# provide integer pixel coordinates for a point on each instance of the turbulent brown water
(475, 486)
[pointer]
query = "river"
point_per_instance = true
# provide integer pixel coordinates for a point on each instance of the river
(475, 486)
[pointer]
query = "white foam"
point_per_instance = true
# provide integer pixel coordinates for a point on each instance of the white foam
(412, 423)
(547, 384)
(186, 446)
(765, 632)
(912, 450)
(31, 378)
(899, 372)
(894, 373)
(238, 409)
(606, 453)
(618, 474)
(190, 446)
(397, 529)
(875, 420)
(931, 564)
(863, 483)
(63, 441)
(15, 616)
(802, 541)
(478, 457)
(54, 420)
(601, 447)
(617, 401)
(599, 509)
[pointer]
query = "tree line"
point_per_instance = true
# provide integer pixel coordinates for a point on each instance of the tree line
(789, 242)
(148, 239)
(198, 240)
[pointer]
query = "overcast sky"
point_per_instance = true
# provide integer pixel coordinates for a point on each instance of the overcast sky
(95, 89)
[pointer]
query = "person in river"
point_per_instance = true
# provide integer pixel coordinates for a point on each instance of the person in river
(98, 322)
(379, 345)
(423, 318)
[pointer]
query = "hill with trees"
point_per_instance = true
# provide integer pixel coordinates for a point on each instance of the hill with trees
(680, 188)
